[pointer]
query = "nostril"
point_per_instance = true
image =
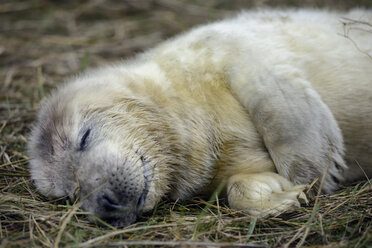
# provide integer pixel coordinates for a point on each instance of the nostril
(109, 203)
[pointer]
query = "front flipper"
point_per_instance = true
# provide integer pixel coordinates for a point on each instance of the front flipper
(263, 194)
(298, 129)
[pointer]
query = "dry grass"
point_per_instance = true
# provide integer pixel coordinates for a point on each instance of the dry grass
(42, 43)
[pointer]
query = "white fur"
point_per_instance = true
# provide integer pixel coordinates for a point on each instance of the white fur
(266, 102)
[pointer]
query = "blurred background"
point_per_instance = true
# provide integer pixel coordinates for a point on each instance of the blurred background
(47, 41)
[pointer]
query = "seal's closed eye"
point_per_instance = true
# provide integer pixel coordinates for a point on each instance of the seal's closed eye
(83, 141)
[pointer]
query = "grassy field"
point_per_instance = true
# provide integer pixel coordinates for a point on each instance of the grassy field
(42, 43)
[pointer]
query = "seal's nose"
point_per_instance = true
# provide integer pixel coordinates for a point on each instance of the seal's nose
(115, 210)
(109, 203)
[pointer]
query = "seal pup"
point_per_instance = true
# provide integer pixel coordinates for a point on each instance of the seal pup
(266, 103)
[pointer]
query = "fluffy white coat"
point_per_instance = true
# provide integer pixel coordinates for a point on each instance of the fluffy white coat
(266, 103)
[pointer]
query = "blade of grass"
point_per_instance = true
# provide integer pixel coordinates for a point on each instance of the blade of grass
(204, 211)
(252, 225)
(40, 81)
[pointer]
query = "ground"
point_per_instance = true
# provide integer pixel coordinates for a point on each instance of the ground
(43, 43)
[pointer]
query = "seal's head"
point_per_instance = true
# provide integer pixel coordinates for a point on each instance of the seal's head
(102, 144)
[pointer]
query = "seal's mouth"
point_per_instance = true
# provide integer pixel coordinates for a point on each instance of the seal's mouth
(142, 198)
(147, 174)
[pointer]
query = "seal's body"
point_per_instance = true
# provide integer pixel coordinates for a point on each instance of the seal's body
(266, 103)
